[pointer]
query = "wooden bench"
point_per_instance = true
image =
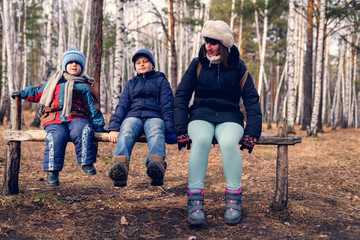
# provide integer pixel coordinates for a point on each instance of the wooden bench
(15, 136)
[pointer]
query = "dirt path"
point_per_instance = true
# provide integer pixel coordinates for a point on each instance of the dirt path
(324, 195)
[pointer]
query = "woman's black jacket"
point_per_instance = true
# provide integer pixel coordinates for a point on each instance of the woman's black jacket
(217, 95)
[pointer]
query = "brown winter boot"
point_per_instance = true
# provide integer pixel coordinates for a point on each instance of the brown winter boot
(119, 171)
(156, 169)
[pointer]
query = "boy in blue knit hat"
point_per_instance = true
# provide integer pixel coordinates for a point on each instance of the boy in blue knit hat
(71, 113)
(145, 106)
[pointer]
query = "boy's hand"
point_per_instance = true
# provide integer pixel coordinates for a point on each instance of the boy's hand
(15, 94)
(170, 138)
(248, 143)
(113, 136)
(184, 141)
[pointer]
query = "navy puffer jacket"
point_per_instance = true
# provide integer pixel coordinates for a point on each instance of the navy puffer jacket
(217, 95)
(145, 96)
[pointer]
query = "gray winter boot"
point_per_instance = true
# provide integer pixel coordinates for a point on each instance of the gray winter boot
(195, 207)
(156, 169)
(119, 171)
(52, 178)
(233, 206)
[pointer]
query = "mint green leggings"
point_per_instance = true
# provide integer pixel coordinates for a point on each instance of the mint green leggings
(228, 135)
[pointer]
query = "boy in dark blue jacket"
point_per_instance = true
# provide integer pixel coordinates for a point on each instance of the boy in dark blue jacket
(145, 106)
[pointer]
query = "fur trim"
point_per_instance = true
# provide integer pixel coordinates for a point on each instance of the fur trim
(219, 30)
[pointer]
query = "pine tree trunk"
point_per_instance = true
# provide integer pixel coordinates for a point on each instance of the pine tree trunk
(95, 49)
(173, 48)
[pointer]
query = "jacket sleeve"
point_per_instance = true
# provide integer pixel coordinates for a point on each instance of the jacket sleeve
(182, 97)
(250, 98)
(33, 93)
(96, 117)
(167, 105)
(121, 109)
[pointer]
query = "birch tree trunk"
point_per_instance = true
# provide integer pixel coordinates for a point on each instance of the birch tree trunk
(325, 81)
(48, 50)
(354, 107)
(61, 45)
(347, 83)
(319, 70)
(232, 17)
(84, 26)
(308, 68)
(334, 113)
(290, 50)
(119, 54)
(4, 102)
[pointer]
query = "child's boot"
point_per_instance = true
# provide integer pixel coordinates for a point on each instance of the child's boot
(156, 170)
(233, 206)
(52, 178)
(119, 171)
(89, 169)
(195, 207)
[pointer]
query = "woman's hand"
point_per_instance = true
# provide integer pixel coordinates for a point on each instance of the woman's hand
(113, 136)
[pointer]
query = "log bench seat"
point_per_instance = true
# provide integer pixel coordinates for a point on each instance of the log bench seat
(282, 141)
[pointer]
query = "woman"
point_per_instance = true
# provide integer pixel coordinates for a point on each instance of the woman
(218, 78)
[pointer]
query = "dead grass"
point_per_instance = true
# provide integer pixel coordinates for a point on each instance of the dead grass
(324, 195)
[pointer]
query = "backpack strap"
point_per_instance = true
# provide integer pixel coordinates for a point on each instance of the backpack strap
(198, 70)
(243, 79)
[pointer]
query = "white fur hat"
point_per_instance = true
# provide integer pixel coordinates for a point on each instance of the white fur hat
(219, 30)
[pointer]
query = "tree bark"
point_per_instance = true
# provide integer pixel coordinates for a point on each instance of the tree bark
(308, 68)
(95, 50)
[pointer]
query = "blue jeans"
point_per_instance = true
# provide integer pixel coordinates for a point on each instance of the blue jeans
(228, 135)
(131, 128)
(80, 132)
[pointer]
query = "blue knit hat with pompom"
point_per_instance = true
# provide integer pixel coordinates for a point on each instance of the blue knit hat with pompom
(73, 55)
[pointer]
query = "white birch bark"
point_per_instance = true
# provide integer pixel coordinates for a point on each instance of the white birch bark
(119, 53)
(241, 26)
(325, 81)
(334, 113)
(276, 103)
(24, 78)
(181, 37)
(354, 107)
(48, 49)
(197, 32)
(61, 45)
(12, 81)
(84, 29)
(232, 17)
(290, 51)
(318, 73)
(71, 26)
(347, 85)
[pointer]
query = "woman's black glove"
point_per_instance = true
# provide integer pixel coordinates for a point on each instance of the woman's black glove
(184, 141)
(15, 94)
(248, 143)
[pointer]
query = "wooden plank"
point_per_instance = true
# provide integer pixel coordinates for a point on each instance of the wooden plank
(39, 136)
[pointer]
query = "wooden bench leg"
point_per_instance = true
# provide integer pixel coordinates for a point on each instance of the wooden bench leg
(12, 166)
(13, 152)
(281, 191)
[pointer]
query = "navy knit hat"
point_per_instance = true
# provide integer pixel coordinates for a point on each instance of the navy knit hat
(145, 53)
(73, 55)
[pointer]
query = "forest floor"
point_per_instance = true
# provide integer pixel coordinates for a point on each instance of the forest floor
(324, 195)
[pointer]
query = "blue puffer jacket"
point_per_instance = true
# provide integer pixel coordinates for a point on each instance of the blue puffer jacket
(145, 96)
(217, 95)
